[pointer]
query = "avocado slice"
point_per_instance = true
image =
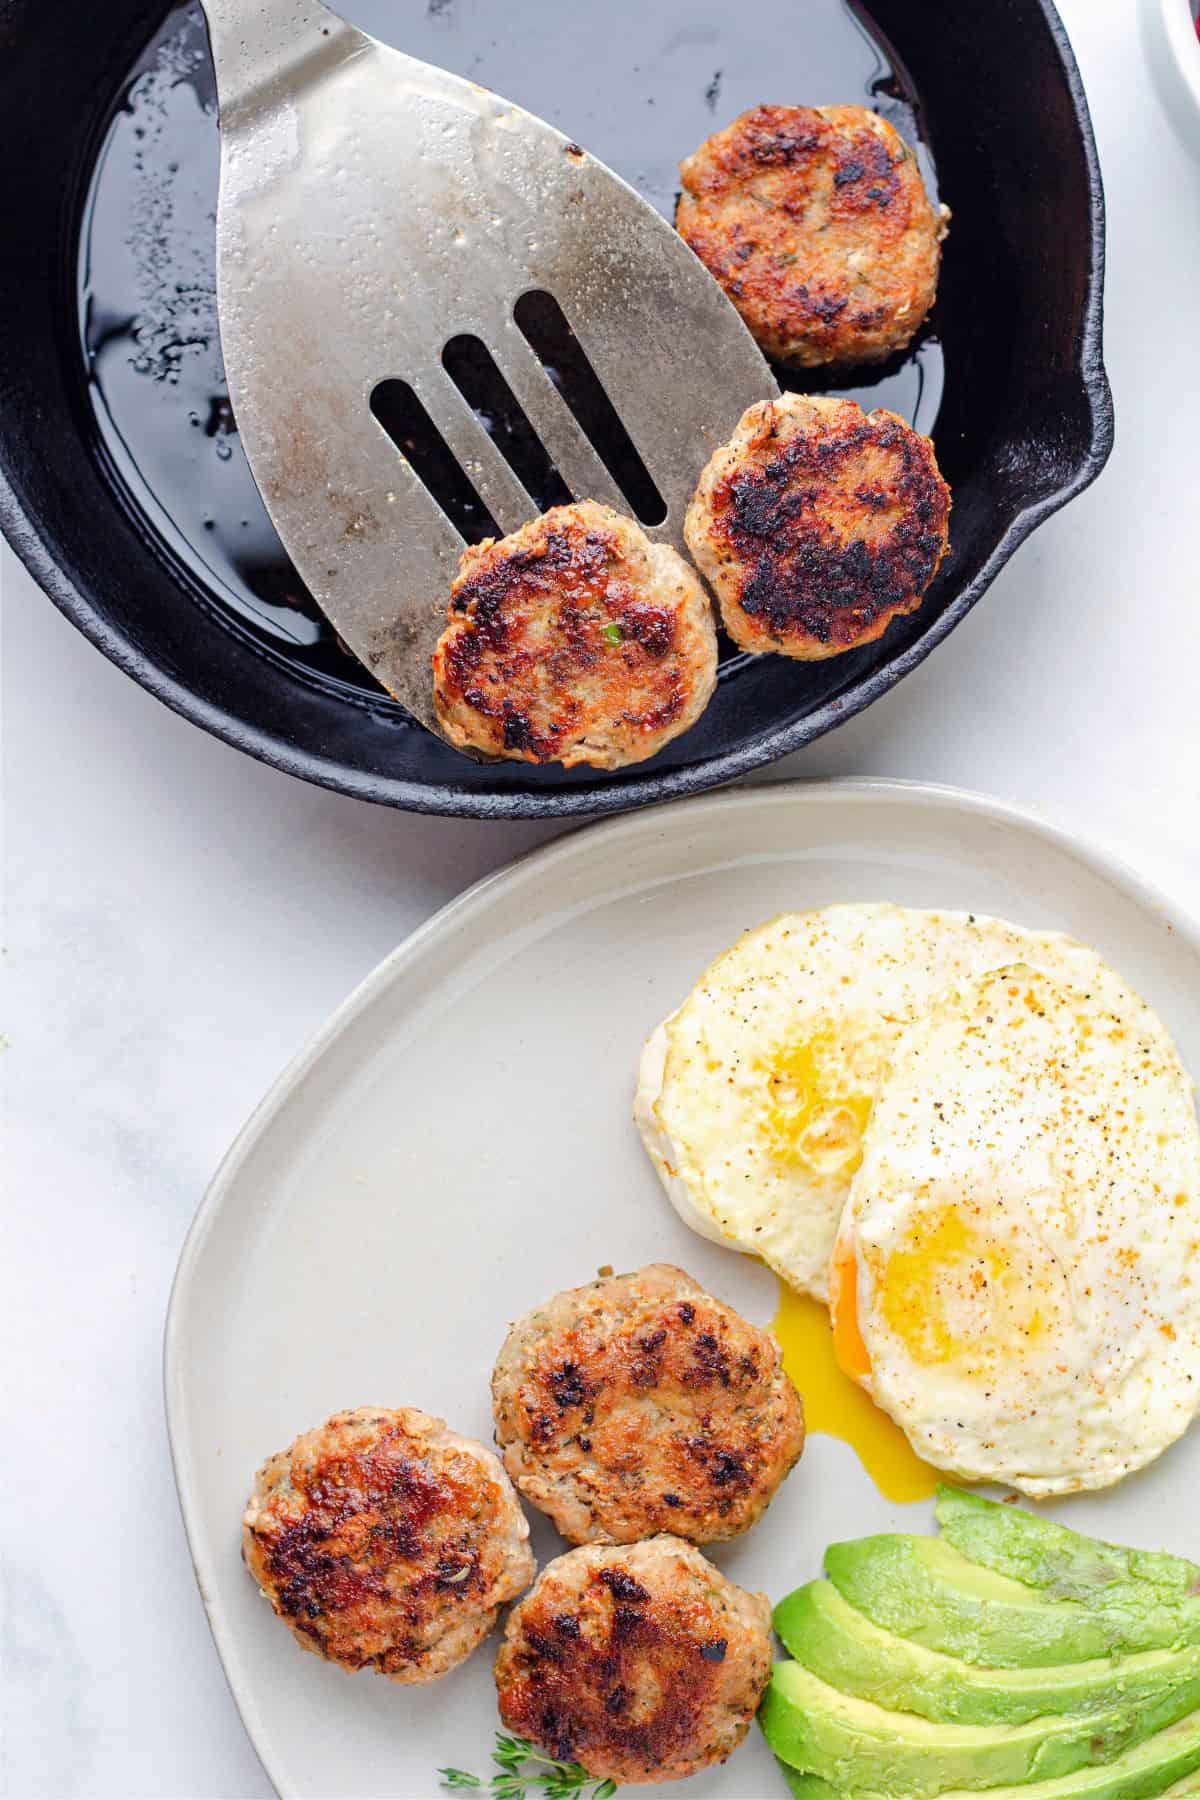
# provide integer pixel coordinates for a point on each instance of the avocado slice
(825, 1633)
(1064, 1564)
(1165, 1765)
(807, 1787)
(811, 1787)
(1171, 1757)
(852, 1742)
(924, 1590)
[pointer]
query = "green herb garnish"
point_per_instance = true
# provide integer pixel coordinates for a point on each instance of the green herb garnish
(613, 633)
(546, 1778)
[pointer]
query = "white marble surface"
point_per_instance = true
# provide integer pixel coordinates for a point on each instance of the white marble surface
(180, 919)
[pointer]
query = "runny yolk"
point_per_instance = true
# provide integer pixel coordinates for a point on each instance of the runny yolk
(836, 1405)
(848, 1346)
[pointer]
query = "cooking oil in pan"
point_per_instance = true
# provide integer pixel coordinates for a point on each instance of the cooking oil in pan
(641, 99)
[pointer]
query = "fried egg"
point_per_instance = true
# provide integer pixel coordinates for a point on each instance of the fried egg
(754, 1097)
(1017, 1274)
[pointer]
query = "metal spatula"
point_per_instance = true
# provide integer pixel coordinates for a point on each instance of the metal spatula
(373, 208)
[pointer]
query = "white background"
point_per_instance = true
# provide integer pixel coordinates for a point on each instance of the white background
(180, 919)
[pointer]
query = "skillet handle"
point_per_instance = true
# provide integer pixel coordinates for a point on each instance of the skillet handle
(260, 47)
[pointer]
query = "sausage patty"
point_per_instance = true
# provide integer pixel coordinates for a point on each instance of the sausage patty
(643, 1663)
(640, 1404)
(816, 222)
(574, 640)
(817, 524)
(386, 1541)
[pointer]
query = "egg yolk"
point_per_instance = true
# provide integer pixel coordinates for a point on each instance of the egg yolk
(968, 1288)
(837, 1406)
(809, 1119)
(848, 1345)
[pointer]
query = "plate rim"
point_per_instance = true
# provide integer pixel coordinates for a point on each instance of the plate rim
(474, 900)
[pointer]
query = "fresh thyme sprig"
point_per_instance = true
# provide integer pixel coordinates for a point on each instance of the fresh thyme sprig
(544, 1777)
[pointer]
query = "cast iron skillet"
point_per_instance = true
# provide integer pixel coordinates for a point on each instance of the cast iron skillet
(1025, 422)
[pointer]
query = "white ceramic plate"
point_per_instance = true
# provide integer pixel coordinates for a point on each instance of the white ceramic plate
(457, 1145)
(1169, 35)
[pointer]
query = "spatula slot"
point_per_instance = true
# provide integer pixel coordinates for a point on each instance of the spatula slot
(419, 441)
(474, 372)
(548, 333)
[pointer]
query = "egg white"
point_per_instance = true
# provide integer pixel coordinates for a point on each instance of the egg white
(1025, 1226)
(753, 1096)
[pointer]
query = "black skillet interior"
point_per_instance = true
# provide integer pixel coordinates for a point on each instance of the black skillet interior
(121, 479)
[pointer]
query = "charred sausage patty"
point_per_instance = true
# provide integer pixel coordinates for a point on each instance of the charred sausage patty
(574, 640)
(816, 222)
(643, 1663)
(640, 1404)
(386, 1541)
(817, 524)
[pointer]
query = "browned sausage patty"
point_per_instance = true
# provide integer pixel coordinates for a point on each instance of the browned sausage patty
(643, 1663)
(817, 524)
(574, 640)
(640, 1404)
(386, 1541)
(816, 222)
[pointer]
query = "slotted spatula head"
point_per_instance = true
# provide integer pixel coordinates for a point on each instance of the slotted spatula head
(371, 209)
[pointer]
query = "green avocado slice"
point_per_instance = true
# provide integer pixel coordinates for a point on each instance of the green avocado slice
(1165, 1765)
(1064, 1564)
(853, 1743)
(825, 1633)
(924, 1590)
(1172, 1756)
(811, 1787)
(807, 1787)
